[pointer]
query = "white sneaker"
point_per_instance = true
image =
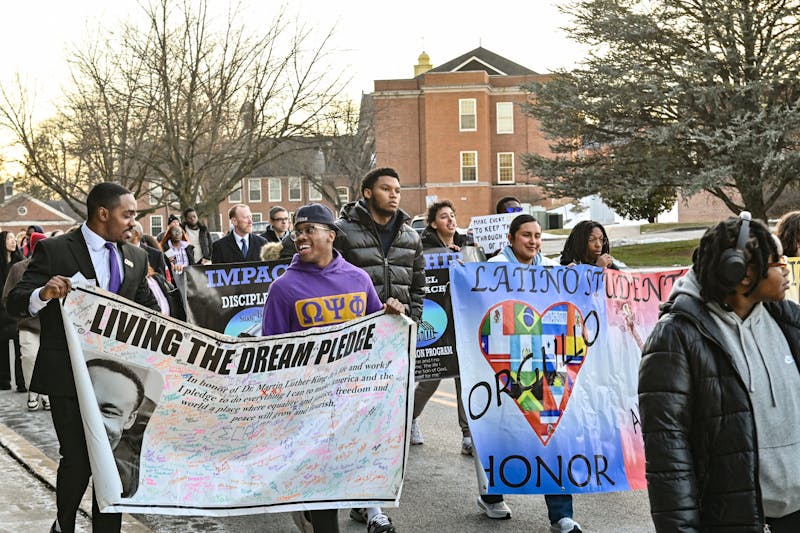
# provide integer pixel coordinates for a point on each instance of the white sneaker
(466, 445)
(416, 433)
(497, 511)
(565, 525)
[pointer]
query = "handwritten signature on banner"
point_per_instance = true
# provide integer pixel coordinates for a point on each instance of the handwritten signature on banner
(315, 419)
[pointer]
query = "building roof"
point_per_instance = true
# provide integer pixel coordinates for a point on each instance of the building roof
(486, 60)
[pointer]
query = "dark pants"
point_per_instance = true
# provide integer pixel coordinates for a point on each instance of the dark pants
(786, 524)
(5, 365)
(325, 520)
(74, 470)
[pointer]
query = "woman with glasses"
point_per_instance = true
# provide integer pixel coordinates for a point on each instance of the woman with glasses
(587, 244)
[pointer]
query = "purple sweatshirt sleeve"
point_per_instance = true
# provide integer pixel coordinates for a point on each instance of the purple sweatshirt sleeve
(374, 303)
(274, 320)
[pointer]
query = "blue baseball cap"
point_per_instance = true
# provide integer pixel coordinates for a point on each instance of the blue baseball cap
(317, 214)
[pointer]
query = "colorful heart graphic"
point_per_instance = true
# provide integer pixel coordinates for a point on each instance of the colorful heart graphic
(536, 356)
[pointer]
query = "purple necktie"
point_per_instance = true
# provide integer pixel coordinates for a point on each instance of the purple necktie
(113, 268)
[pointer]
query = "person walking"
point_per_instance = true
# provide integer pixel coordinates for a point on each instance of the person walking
(28, 330)
(8, 325)
(318, 271)
(98, 250)
(240, 245)
(719, 390)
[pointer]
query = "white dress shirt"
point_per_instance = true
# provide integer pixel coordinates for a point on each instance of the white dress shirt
(99, 256)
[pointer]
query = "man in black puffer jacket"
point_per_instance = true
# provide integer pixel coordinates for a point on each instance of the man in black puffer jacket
(379, 240)
(719, 390)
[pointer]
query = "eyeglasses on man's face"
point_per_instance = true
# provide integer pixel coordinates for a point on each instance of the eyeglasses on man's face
(513, 209)
(308, 231)
(280, 219)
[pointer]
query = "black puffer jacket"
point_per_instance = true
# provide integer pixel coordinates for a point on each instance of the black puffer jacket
(430, 239)
(697, 420)
(399, 274)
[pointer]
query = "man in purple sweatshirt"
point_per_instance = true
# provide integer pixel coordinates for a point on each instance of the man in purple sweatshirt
(318, 289)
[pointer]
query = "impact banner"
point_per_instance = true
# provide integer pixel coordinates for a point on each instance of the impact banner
(229, 298)
(549, 358)
(180, 420)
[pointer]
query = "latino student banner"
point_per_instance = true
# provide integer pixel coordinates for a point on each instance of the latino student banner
(229, 298)
(230, 426)
(549, 359)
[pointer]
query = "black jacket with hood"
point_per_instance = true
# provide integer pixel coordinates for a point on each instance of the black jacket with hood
(697, 419)
(401, 272)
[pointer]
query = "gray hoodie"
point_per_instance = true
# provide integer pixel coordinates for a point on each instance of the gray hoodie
(764, 361)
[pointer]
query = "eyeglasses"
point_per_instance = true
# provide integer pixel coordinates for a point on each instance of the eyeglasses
(308, 231)
(782, 262)
(516, 209)
(594, 240)
(281, 219)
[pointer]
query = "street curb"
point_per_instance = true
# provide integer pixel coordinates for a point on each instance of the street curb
(44, 468)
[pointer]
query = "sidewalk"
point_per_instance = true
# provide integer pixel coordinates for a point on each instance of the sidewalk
(28, 488)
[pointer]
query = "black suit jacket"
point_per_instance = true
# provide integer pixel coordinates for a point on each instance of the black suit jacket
(227, 250)
(65, 255)
(156, 259)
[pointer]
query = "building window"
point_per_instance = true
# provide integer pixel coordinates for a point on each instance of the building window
(467, 114)
(295, 190)
(155, 194)
(505, 167)
(254, 189)
(236, 196)
(274, 189)
(156, 225)
(505, 117)
(343, 193)
(256, 216)
(469, 167)
(314, 195)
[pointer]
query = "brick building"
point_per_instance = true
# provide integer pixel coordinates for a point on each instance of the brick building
(458, 132)
(22, 210)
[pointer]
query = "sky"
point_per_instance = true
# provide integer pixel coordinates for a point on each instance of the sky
(372, 40)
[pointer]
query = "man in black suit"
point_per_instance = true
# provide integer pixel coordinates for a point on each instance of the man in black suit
(155, 257)
(99, 251)
(240, 245)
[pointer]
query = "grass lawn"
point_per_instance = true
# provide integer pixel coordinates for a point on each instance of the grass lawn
(659, 254)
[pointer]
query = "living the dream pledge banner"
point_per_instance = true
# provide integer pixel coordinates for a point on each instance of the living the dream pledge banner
(549, 358)
(207, 424)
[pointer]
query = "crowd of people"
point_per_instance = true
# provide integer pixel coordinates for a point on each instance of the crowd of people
(718, 381)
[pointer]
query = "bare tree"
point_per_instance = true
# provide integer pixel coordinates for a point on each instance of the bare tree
(346, 151)
(185, 105)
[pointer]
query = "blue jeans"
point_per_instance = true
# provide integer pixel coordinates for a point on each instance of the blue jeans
(558, 506)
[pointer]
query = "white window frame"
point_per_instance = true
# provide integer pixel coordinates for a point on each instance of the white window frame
(235, 197)
(156, 193)
(343, 193)
(314, 195)
(462, 102)
(160, 220)
(251, 197)
(499, 167)
(295, 185)
(505, 118)
(462, 167)
(256, 217)
(274, 192)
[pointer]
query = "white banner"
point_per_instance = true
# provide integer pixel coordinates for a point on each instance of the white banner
(491, 231)
(199, 423)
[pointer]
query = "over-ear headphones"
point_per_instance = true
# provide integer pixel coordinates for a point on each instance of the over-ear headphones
(733, 264)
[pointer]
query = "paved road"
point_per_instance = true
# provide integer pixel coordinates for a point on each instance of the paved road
(438, 496)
